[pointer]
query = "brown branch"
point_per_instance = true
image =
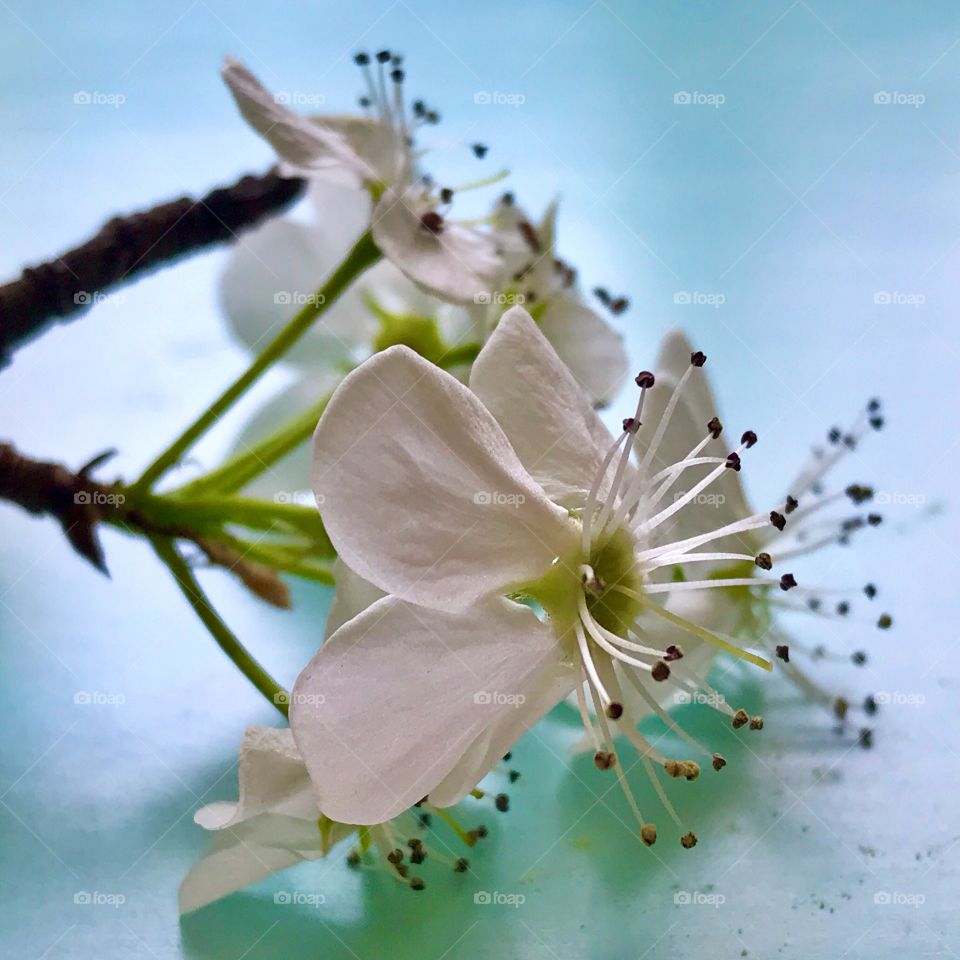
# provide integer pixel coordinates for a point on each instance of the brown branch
(130, 246)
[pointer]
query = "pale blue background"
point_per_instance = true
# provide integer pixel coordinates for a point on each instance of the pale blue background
(798, 200)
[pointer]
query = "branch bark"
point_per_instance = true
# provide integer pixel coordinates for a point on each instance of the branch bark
(130, 246)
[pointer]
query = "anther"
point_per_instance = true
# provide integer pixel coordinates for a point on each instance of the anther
(865, 738)
(718, 762)
(414, 843)
(619, 305)
(885, 621)
(715, 428)
(419, 109)
(446, 195)
(682, 768)
(361, 59)
(418, 855)
(645, 379)
(603, 295)
(479, 150)
(858, 493)
(834, 435)
(870, 590)
(383, 56)
(502, 802)
(733, 462)
(788, 581)
(843, 608)
(432, 221)
(748, 439)
(778, 519)
(402, 870)
(353, 859)
(396, 75)
(507, 199)
(814, 604)
(673, 652)
(783, 652)
(876, 423)
(764, 561)
(688, 841)
(631, 425)
(740, 719)
(514, 776)
(364, 102)
(874, 519)
(603, 760)
(416, 883)
(508, 756)
(660, 671)
(698, 359)
(614, 710)
(840, 707)
(462, 865)
(756, 723)
(873, 406)
(870, 705)
(859, 658)
(395, 856)
(648, 834)
(791, 504)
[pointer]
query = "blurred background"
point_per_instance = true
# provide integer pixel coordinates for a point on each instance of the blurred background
(782, 180)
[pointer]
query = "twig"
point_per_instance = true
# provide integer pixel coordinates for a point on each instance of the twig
(127, 247)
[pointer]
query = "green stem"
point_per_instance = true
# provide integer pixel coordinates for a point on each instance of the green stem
(363, 255)
(228, 643)
(237, 472)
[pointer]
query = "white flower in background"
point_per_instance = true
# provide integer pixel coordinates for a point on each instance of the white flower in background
(470, 507)
(276, 824)
(409, 217)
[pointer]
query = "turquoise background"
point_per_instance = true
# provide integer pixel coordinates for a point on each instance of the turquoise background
(800, 201)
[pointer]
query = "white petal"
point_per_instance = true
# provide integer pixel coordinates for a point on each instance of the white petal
(273, 779)
(381, 146)
(421, 492)
(301, 141)
(353, 595)
(533, 395)
(545, 691)
(273, 271)
(398, 694)
(289, 476)
(587, 344)
(458, 264)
